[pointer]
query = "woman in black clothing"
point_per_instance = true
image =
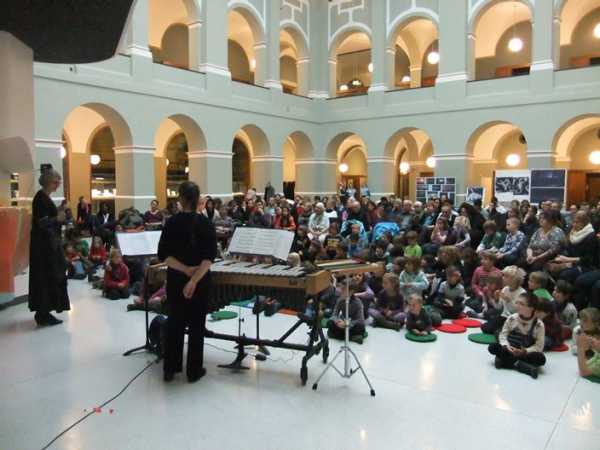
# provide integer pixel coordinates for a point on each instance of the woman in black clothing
(581, 250)
(188, 245)
(47, 263)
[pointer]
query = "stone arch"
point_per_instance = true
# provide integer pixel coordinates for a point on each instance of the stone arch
(567, 135)
(252, 16)
(340, 35)
(485, 5)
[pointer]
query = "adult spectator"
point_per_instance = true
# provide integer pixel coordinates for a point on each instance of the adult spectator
(406, 219)
(318, 223)
(154, 216)
(546, 242)
(130, 219)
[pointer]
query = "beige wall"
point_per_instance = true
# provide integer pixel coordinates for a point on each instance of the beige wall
(583, 41)
(175, 45)
(582, 147)
(486, 67)
(239, 65)
(289, 161)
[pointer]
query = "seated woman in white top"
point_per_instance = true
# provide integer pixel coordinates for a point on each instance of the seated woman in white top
(318, 223)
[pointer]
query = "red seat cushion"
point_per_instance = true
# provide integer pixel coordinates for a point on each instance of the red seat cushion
(560, 348)
(467, 323)
(451, 328)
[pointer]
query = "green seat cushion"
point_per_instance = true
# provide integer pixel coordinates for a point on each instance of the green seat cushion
(482, 338)
(416, 338)
(223, 315)
(593, 379)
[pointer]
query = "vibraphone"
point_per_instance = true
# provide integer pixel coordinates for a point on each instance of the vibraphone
(292, 287)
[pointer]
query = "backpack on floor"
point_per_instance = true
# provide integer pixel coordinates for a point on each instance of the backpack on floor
(157, 334)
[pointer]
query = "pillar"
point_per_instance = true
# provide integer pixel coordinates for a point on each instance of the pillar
(542, 58)
(416, 76)
(332, 64)
(160, 180)
(378, 46)
(213, 47)
(134, 166)
(319, 68)
(451, 84)
(316, 177)
(303, 68)
(471, 64)
(136, 42)
(389, 75)
(272, 38)
(457, 165)
(47, 151)
(212, 171)
(381, 176)
(195, 45)
(267, 169)
(260, 71)
(80, 177)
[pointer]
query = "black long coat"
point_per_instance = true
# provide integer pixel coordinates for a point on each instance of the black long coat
(47, 263)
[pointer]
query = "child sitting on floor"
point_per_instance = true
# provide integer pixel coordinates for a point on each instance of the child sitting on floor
(512, 279)
(356, 314)
(363, 291)
(448, 302)
(589, 323)
(553, 328)
(492, 304)
(116, 277)
(587, 333)
(480, 279)
(388, 309)
(412, 279)
(76, 268)
(98, 256)
(418, 320)
(412, 247)
(567, 312)
(520, 345)
(537, 284)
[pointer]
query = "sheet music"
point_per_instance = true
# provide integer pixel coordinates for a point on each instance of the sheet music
(144, 243)
(262, 241)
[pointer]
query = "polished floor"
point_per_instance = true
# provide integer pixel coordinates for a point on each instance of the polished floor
(445, 395)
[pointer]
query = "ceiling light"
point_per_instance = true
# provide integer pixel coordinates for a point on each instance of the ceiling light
(597, 31)
(433, 57)
(95, 160)
(431, 162)
(404, 168)
(513, 160)
(515, 45)
(343, 167)
(406, 79)
(253, 64)
(168, 162)
(344, 87)
(595, 157)
(63, 152)
(370, 67)
(187, 169)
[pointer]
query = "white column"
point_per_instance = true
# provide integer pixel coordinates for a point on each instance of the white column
(195, 45)
(416, 76)
(260, 56)
(390, 68)
(332, 77)
(137, 41)
(271, 61)
(381, 176)
(471, 65)
(316, 177)
(319, 67)
(451, 84)
(214, 48)
(47, 151)
(212, 171)
(134, 167)
(542, 64)
(303, 68)
(267, 169)
(378, 39)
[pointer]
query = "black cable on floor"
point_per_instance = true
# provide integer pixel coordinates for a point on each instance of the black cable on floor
(66, 430)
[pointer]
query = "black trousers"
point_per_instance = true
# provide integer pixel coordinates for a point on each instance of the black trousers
(508, 359)
(339, 332)
(191, 314)
(493, 325)
(117, 293)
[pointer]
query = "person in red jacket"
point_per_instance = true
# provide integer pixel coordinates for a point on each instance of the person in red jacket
(98, 255)
(116, 277)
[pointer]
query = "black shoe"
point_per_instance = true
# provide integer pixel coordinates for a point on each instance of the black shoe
(498, 363)
(168, 376)
(51, 320)
(41, 319)
(527, 369)
(192, 378)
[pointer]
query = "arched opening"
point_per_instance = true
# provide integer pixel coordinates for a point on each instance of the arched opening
(293, 61)
(411, 151)
(350, 153)
(577, 149)
(350, 64)
(415, 49)
(177, 164)
(495, 146)
(171, 39)
(176, 137)
(246, 47)
(579, 34)
(91, 133)
(502, 39)
(240, 165)
(251, 162)
(297, 176)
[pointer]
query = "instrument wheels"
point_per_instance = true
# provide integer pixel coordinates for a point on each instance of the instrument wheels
(304, 375)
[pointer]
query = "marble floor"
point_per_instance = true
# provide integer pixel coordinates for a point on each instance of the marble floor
(445, 395)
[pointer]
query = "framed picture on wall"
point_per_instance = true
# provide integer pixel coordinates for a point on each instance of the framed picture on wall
(475, 193)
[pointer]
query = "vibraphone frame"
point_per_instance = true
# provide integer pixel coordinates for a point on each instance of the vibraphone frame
(317, 341)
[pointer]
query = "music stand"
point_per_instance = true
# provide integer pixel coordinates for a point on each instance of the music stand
(345, 349)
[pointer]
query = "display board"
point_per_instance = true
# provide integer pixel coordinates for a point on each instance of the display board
(143, 243)
(512, 185)
(433, 187)
(548, 184)
(262, 242)
(475, 193)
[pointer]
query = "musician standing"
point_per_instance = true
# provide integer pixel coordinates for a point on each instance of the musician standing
(188, 245)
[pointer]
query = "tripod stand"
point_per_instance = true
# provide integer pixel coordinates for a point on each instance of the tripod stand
(346, 350)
